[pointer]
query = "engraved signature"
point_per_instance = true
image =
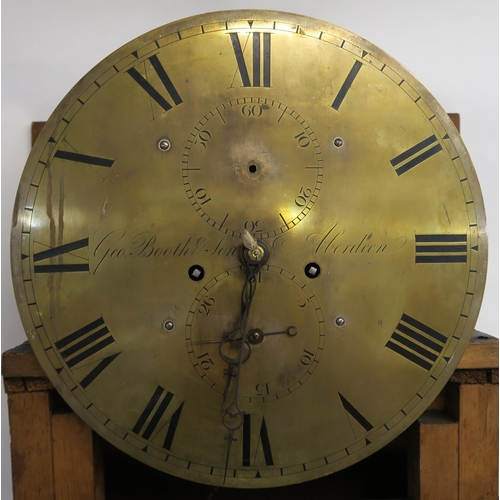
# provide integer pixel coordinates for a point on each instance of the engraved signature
(119, 244)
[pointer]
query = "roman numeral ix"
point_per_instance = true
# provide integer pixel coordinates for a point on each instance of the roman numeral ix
(65, 249)
(416, 342)
(81, 158)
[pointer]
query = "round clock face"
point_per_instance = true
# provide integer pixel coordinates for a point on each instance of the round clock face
(128, 234)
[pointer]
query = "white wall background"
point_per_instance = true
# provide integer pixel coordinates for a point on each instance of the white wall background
(451, 46)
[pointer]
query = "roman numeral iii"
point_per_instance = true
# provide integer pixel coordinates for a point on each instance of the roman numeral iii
(440, 248)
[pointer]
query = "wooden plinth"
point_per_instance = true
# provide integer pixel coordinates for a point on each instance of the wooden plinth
(450, 453)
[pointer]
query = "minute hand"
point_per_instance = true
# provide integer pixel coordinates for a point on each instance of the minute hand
(254, 256)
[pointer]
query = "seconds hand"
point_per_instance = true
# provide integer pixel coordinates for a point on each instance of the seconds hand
(254, 256)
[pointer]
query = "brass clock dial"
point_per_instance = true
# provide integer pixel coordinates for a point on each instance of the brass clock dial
(249, 360)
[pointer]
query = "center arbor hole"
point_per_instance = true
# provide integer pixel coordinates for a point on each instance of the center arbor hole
(252, 168)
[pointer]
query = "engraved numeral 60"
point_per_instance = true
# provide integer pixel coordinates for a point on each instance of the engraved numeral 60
(303, 196)
(249, 110)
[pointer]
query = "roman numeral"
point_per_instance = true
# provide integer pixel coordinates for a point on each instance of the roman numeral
(263, 439)
(85, 342)
(355, 414)
(261, 59)
(95, 372)
(67, 248)
(416, 342)
(81, 158)
(346, 85)
(416, 155)
(164, 79)
(440, 248)
(153, 412)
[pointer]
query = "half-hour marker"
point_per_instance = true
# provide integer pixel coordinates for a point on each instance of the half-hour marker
(346, 85)
(416, 155)
(261, 59)
(440, 248)
(165, 80)
(85, 342)
(416, 342)
(81, 158)
(67, 248)
(355, 414)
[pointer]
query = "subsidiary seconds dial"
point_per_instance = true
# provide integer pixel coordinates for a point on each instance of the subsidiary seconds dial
(282, 350)
(268, 152)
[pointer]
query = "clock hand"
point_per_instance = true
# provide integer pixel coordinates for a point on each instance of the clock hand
(225, 338)
(254, 256)
(254, 336)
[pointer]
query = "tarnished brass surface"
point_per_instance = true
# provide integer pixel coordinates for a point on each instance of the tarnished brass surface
(128, 226)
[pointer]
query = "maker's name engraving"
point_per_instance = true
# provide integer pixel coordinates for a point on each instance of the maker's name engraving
(147, 245)
(119, 244)
(335, 240)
